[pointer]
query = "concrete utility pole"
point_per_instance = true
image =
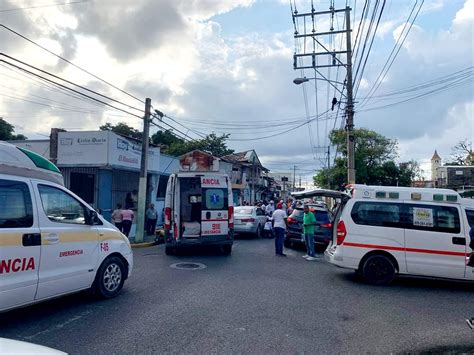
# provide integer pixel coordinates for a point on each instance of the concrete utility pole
(350, 105)
(301, 61)
(294, 177)
(142, 185)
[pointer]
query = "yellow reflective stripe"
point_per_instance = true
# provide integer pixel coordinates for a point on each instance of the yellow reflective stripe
(11, 239)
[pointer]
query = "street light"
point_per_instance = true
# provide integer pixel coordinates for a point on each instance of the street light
(299, 81)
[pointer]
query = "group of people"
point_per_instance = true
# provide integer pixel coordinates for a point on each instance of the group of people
(123, 218)
(277, 223)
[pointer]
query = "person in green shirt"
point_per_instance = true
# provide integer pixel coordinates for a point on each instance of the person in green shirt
(309, 224)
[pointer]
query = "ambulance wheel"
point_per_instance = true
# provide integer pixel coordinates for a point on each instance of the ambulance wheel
(378, 270)
(227, 249)
(110, 277)
(170, 250)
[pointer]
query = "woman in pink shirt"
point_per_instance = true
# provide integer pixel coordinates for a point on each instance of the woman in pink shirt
(127, 218)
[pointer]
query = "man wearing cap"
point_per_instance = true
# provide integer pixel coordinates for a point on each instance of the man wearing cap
(309, 223)
(279, 226)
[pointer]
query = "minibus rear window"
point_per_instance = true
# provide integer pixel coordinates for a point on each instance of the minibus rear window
(215, 199)
(17, 210)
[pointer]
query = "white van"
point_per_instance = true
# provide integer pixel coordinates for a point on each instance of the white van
(51, 242)
(199, 210)
(387, 231)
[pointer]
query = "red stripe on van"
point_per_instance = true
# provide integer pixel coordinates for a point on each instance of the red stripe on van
(410, 250)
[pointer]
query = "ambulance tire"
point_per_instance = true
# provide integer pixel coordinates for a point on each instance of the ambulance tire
(378, 270)
(110, 277)
(170, 250)
(227, 249)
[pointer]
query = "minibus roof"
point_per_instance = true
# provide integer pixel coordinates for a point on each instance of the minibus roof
(403, 193)
(23, 162)
(321, 193)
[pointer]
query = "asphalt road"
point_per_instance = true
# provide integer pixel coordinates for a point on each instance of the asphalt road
(251, 302)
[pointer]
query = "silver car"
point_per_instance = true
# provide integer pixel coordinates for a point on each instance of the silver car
(249, 219)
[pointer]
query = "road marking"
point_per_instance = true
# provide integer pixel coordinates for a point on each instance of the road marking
(58, 326)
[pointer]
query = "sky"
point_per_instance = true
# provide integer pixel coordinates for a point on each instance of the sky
(227, 67)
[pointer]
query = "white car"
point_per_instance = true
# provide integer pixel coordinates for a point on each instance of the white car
(249, 219)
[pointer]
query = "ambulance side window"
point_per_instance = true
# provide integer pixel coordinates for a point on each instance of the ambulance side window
(61, 207)
(15, 199)
(470, 217)
(435, 218)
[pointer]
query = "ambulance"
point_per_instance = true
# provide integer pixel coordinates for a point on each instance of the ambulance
(199, 210)
(52, 243)
(382, 232)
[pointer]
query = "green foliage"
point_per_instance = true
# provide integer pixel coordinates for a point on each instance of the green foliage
(7, 132)
(165, 139)
(123, 129)
(212, 144)
(374, 162)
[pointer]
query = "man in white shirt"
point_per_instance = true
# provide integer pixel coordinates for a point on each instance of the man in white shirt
(279, 226)
(270, 208)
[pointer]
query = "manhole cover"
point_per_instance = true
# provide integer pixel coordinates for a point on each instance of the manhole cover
(188, 266)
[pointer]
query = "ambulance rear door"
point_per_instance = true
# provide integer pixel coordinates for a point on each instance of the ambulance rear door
(215, 206)
(20, 243)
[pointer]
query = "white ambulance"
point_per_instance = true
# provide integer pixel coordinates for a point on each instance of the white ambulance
(199, 210)
(384, 231)
(51, 242)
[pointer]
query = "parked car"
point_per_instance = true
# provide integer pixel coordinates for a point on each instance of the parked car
(249, 219)
(323, 230)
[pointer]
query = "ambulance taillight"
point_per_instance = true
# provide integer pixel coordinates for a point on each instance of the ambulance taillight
(341, 232)
(231, 216)
(167, 218)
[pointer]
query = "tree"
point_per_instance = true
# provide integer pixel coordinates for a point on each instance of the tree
(374, 161)
(165, 139)
(462, 153)
(212, 144)
(123, 129)
(7, 132)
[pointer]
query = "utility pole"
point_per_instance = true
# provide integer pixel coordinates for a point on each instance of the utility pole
(350, 104)
(294, 177)
(142, 185)
(309, 61)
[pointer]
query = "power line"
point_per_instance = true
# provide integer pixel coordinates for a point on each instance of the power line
(41, 6)
(68, 88)
(69, 62)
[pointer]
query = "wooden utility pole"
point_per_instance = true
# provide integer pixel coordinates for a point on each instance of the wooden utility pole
(142, 185)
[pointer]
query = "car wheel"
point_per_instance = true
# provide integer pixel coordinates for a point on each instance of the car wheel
(227, 249)
(287, 243)
(170, 250)
(378, 270)
(110, 277)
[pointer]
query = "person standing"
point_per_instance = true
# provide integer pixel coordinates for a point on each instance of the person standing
(309, 223)
(151, 219)
(270, 208)
(117, 217)
(279, 218)
(127, 219)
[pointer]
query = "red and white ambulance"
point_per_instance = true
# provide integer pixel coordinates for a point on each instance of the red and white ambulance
(199, 210)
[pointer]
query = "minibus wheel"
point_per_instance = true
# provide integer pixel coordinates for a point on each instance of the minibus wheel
(378, 270)
(110, 277)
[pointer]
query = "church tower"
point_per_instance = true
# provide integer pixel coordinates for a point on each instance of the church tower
(435, 163)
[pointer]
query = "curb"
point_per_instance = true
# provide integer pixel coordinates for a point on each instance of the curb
(142, 245)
